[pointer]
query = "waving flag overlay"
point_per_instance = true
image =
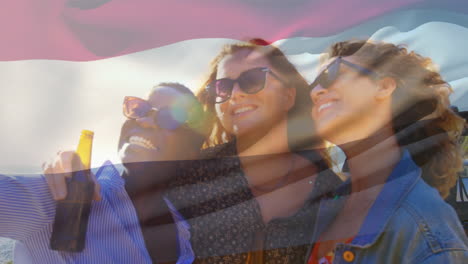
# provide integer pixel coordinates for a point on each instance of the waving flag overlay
(88, 30)
(65, 65)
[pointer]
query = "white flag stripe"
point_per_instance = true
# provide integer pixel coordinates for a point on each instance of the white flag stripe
(47, 103)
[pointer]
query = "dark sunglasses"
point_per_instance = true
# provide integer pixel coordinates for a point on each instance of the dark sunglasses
(332, 71)
(251, 81)
(169, 118)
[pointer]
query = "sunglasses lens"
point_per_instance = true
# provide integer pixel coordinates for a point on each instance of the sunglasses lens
(171, 118)
(326, 79)
(252, 81)
(223, 89)
(333, 71)
(328, 76)
(135, 107)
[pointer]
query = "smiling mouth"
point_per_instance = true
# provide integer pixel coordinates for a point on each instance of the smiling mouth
(142, 142)
(243, 110)
(325, 106)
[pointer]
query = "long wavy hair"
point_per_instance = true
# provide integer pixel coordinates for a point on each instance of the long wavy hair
(422, 118)
(300, 125)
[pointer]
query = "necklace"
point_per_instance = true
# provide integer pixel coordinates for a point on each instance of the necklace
(280, 183)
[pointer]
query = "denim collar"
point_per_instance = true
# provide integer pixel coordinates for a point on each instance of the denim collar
(400, 182)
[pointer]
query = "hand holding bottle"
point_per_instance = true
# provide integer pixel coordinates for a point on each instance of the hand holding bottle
(72, 213)
(60, 169)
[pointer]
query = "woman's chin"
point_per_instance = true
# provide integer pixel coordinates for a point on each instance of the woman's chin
(327, 131)
(244, 129)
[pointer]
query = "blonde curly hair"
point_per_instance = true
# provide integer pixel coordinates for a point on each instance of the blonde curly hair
(300, 125)
(422, 119)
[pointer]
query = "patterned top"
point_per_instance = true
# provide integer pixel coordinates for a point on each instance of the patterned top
(225, 218)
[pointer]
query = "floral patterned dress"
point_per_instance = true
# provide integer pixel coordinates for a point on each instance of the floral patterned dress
(225, 218)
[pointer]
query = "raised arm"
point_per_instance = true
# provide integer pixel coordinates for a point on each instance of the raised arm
(27, 202)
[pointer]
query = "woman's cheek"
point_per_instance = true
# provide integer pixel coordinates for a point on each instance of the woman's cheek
(221, 114)
(220, 110)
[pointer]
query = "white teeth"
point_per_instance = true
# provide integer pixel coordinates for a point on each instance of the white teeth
(143, 142)
(243, 109)
(323, 106)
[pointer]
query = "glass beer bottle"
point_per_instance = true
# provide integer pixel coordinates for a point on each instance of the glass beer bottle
(72, 213)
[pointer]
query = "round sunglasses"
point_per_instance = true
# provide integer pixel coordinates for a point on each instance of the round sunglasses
(329, 75)
(251, 81)
(170, 118)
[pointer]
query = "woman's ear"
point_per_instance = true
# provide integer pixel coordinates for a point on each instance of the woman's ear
(290, 98)
(386, 87)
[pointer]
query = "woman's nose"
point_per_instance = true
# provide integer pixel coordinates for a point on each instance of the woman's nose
(147, 121)
(316, 92)
(237, 92)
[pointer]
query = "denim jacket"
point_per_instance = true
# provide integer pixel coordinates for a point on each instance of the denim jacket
(408, 223)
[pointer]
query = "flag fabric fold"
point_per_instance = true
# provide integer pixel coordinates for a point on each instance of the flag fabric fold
(82, 30)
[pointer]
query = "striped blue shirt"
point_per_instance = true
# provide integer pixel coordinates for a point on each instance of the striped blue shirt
(27, 212)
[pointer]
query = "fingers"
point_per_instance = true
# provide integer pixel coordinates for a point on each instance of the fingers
(97, 188)
(47, 170)
(64, 162)
(56, 182)
(77, 166)
(57, 171)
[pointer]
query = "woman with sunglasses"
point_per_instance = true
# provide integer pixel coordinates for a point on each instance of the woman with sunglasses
(132, 222)
(388, 110)
(250, 199)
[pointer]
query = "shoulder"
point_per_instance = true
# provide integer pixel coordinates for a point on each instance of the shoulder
(453, 256)
(426, 206)
(426, 220)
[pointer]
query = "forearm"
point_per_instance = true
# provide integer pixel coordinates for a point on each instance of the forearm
(26, 206)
